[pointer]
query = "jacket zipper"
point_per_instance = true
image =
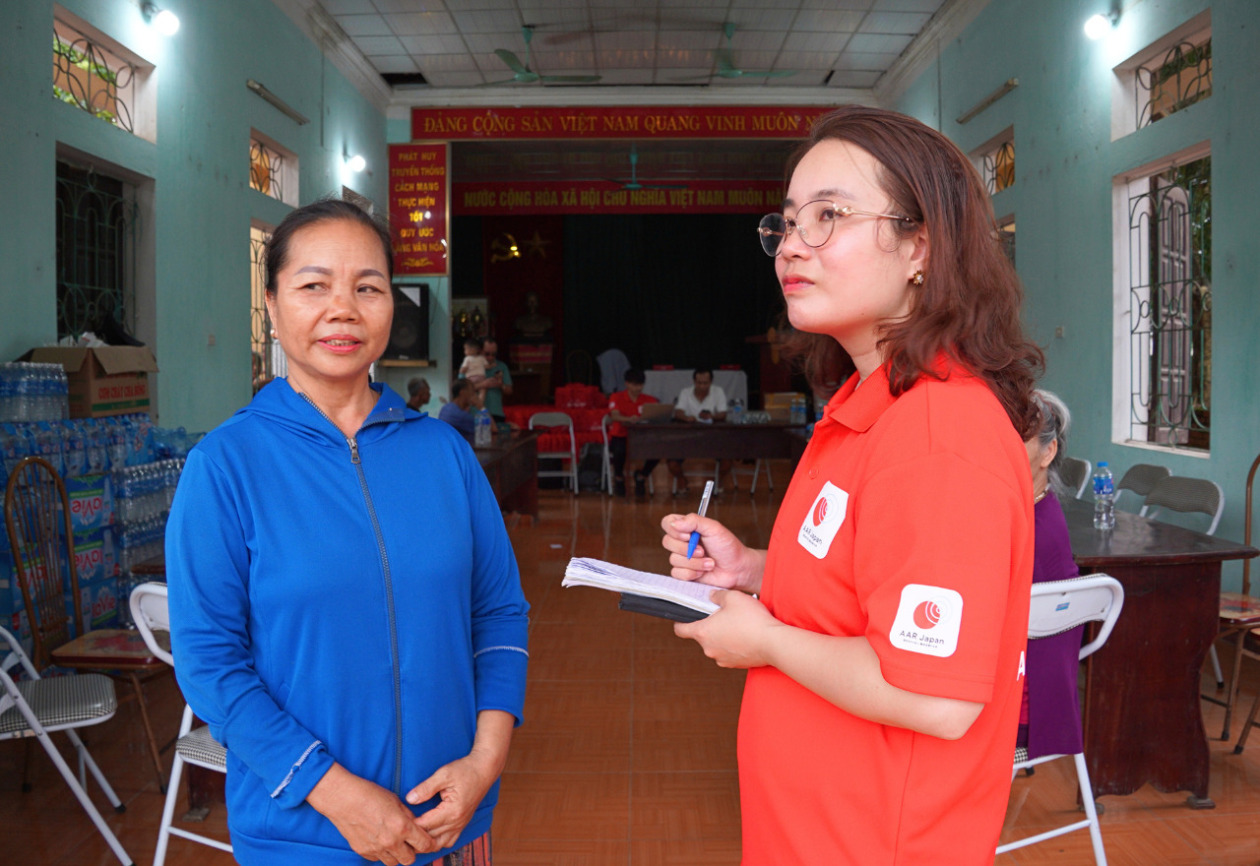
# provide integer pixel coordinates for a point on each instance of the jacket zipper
(352, 442)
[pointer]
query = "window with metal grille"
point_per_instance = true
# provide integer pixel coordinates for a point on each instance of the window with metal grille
(1170, 305)
(268, 360)
(96, 220)
(1006, 234)
(1175, 80)
(997, 166)
(97, 80)
(272, 169)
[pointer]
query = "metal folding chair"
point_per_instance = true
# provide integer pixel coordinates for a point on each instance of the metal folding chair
(1141, 478)
(558, 419)
(1075, 474)
(35, 707)
(150, 613)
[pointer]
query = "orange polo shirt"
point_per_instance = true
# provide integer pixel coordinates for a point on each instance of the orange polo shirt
(909, 521)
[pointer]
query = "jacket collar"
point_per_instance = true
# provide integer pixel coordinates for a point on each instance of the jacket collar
(279, 402)
(859, 408)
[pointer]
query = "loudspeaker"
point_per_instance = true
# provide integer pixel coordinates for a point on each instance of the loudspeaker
(409, 335)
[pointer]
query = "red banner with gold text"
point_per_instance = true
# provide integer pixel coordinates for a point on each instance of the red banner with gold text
(632, 121)
(601, 197)
(418, 206)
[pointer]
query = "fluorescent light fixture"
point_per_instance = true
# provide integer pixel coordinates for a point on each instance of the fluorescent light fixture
(356, 163)
(1098, 25)
(279, 103)
(166, 21)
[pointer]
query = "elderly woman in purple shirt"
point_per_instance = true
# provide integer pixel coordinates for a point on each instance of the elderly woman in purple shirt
(1050, 721)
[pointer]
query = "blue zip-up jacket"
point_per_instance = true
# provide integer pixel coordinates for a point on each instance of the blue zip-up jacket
(333, 599)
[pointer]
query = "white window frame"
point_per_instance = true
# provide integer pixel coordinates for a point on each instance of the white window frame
(1124, 187)
(1124, 85)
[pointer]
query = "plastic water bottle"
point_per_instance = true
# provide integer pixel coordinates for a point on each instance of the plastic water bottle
(1104, 497)
(736, 414)
(481, 437)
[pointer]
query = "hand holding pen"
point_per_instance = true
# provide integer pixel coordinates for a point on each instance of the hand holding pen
(704, 506)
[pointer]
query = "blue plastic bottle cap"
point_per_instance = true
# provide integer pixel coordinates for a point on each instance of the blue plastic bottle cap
(1102, 463)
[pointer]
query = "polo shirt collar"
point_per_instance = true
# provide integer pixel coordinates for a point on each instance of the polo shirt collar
(859, 408)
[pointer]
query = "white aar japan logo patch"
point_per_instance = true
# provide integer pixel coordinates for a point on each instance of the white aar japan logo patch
(824, 520)
(928, 620)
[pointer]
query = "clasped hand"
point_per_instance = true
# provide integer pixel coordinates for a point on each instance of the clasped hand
(381, 827)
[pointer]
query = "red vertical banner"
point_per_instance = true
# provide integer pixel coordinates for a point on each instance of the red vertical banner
(419, 205)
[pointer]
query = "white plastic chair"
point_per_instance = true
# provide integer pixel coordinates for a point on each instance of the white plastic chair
(37, 707)
(1075, 473)
(558, 419)
(1058, 606)
(150, 614)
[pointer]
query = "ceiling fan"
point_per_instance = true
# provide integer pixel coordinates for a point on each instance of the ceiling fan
(634, 183)
(524, 75)
(726, 67)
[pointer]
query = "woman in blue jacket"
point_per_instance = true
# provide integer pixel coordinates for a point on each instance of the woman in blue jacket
(346, 610)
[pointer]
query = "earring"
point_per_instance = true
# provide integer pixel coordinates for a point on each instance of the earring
(273, 333)
(917, 279)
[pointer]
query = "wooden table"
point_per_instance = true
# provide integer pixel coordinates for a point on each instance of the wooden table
(511, 465)
(719, 441)
(1143, 722)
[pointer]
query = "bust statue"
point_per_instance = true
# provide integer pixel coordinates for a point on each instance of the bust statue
(533, 325)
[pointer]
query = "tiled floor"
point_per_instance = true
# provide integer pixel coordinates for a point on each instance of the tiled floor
(627, 756)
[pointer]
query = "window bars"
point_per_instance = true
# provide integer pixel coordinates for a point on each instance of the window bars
(1170, 310)
(94, 79)
(1179, 79)
(97, 219)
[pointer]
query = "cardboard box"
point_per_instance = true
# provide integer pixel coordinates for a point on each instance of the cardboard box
(107, 380)
(778, 404)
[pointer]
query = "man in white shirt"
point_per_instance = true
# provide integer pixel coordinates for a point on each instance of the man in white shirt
(702, 403)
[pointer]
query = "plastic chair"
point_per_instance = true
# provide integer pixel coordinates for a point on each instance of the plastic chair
(36, 707)
(558, 419)
(1058, 606)
(38, 521)
(150, 614)
(606, 481)
(738, 469)
(1141, 478)
(1075, 475)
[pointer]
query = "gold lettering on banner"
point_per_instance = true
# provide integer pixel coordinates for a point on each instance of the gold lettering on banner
(445, 126)
(480, 198)
(658, 123)
(725, 123)
(621, 123)
(406, 155)
(711, 197)
(781, 122)
(577, 123)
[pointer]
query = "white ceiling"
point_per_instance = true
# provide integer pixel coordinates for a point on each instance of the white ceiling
(637, 43)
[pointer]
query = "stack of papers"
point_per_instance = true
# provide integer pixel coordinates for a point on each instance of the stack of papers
(605, 575)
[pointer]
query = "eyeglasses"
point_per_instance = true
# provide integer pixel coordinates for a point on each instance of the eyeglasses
(814, 223)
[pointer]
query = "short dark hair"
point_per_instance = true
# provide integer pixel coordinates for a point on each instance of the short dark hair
(474, 341)
(458, 387)
(277, 254)
(414, 383)
(634, 376)
(700, 370)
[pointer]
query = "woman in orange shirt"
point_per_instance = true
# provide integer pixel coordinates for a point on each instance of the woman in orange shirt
(884, 628)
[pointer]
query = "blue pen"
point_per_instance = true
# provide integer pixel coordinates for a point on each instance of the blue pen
(704, 506)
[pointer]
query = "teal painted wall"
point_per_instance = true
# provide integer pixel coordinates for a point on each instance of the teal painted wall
(197, 173)
(1062, 200)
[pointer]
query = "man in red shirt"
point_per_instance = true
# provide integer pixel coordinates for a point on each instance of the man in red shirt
(624, 408)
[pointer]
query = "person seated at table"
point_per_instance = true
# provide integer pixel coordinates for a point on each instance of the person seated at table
(497, 382)
(625, 407)
(1049, 719)
(455, 411)
(705, 403)
(418, 392)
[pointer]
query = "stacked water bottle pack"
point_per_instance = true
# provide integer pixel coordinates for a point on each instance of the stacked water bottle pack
(119, 494)
(142, 502)
(33, 392)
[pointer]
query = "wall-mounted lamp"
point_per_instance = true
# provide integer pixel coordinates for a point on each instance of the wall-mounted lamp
(166, 21)
(356, 163)
(1098, 25)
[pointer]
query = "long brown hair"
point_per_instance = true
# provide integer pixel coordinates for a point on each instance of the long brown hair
(968, 305)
